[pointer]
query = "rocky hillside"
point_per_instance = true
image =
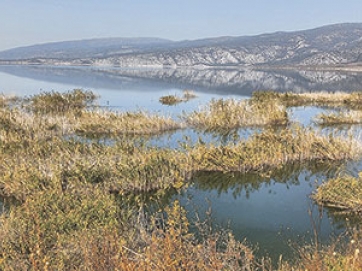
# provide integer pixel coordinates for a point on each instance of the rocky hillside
(328, 45)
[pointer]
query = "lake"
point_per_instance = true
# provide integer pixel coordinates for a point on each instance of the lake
(273, 213)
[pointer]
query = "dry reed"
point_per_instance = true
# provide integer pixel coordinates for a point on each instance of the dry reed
(343, 193)
(233, 114)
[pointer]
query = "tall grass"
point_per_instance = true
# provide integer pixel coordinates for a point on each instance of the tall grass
(338, 118)
(57, 102)
(350, 100)
(272, 149)
(233, 114)
(343, 193)
(89, 232)
(101, 123)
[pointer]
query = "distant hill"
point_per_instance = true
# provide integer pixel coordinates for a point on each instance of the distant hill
(84, 48)
(339, 44)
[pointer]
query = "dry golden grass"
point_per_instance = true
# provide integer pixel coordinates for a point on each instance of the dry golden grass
(174, 99)
(341, 117)
(343, 193)
(231, 114)
(90, 232)
(170, 100)
(352, 100)
(105, 123)
(59, 103)
(341, 255)
(272, 149)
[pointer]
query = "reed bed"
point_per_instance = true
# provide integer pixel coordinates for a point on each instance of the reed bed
(57, 102)
(59, 166)
(56, 114)
(272, 149)
(233, 114)
(90, 232)
(105, 123)
(338, 118)
(351, 100)
(8, 100)
(343, 193)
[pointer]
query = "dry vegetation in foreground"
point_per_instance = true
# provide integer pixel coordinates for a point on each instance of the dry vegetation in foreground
(72, 210)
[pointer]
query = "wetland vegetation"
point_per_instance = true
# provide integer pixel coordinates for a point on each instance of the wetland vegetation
(73, 171)
(174, 99)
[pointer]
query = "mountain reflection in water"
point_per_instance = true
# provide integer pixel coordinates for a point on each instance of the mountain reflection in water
(238, 81)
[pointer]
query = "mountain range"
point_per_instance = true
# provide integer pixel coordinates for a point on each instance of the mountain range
(332, 45)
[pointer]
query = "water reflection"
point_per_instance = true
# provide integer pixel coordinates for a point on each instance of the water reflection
(272, 212)
(239, 81)
(239, 184)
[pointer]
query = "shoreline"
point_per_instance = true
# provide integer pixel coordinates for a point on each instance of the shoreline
(72, 63)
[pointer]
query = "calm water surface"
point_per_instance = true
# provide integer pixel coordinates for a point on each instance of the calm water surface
(273, 213)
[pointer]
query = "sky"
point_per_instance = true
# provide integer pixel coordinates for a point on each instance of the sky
(28, 22)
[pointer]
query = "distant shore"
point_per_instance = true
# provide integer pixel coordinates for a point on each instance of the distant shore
(355, 67)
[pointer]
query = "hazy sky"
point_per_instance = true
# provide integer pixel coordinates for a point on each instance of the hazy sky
(27, 22)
